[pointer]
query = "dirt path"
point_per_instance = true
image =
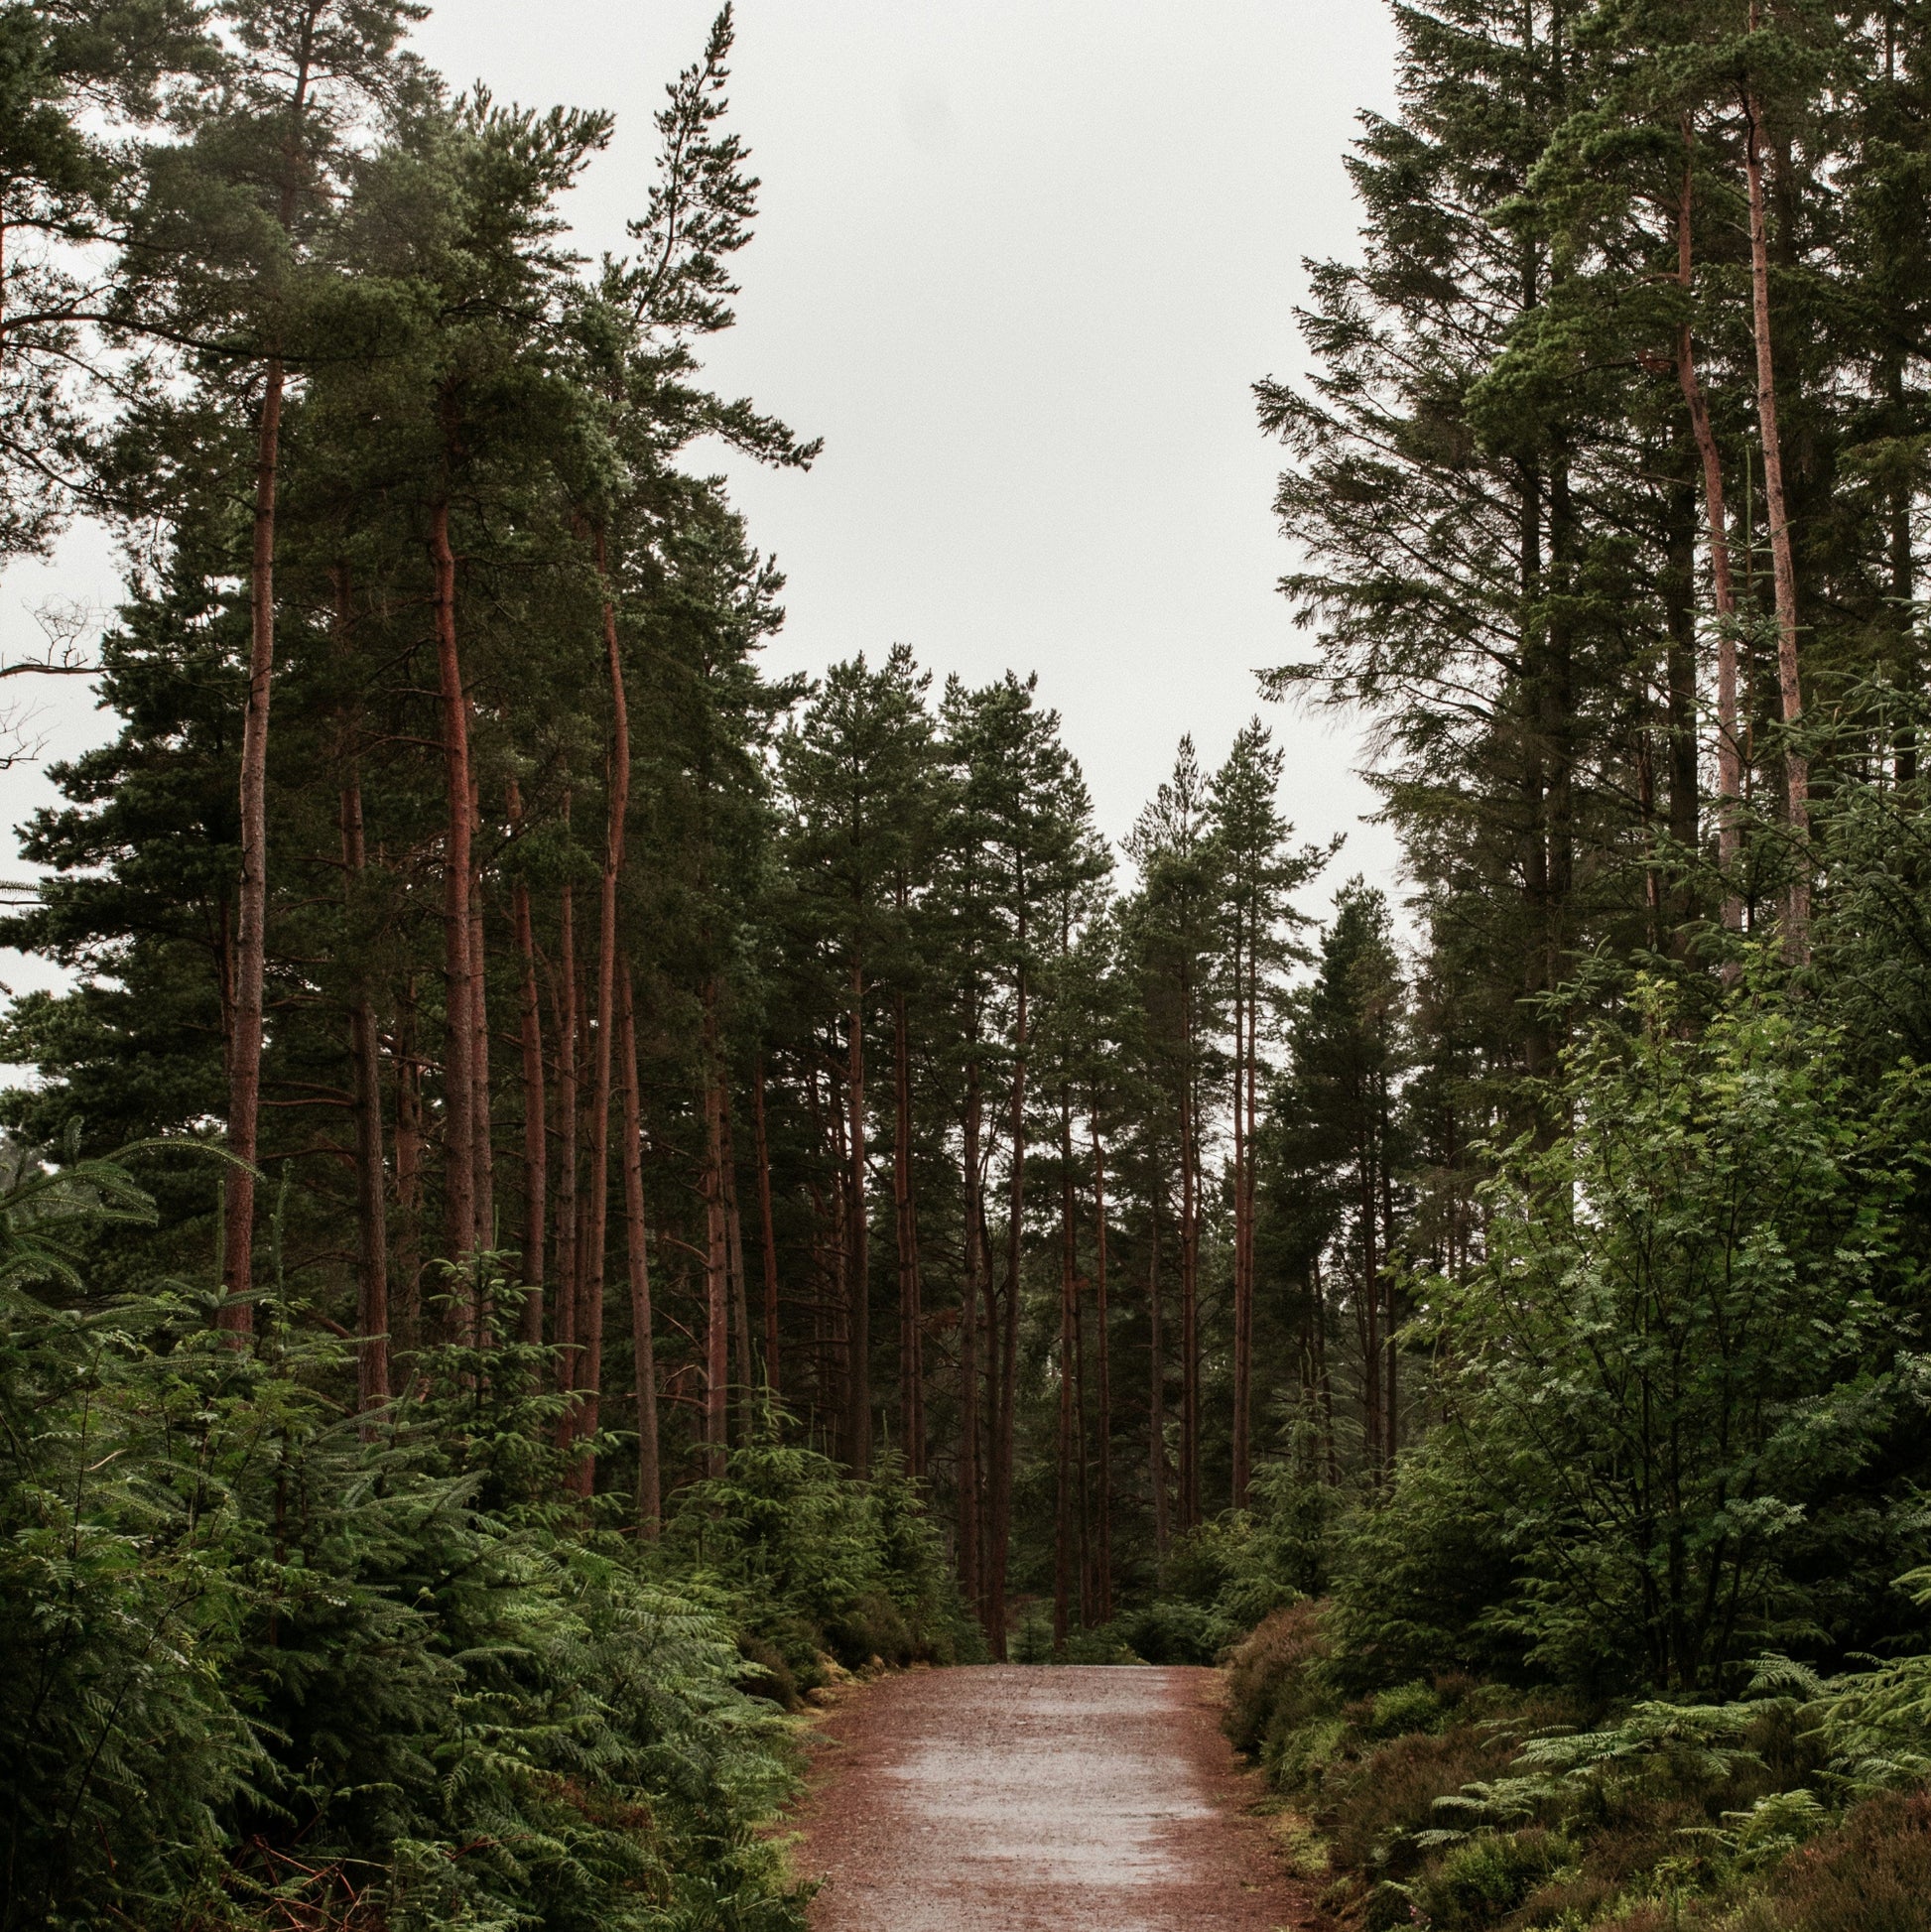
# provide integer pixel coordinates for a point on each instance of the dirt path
(1007, 1798)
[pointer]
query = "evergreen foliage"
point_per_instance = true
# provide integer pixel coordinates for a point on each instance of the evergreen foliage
(575, 1192)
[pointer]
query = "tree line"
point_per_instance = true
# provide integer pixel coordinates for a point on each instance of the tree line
(761, 1046)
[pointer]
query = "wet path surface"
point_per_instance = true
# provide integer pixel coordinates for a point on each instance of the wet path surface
(1006, 1798)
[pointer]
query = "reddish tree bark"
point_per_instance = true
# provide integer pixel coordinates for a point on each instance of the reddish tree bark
(563, 999)
(244, 1043)
(971, 1577)
(1064, 1528)
(1156, 1391)
(740, 1290)
(769, 1237)
(406, 1307)
(459, 1056)
(716, 1286)
(1189, 1499)
(911, 1317)
(536, 1137)
(650, 1506)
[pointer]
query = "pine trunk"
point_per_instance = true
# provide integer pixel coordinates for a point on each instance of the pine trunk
(911, 1318)
(1783, 570)
(650, 1504)
(536, 1137)
(459, 1056)
(857, 1390)
(589, 1381)
(1006, 1335)
(245, 1001)
(1156, 1394)
(251, 905)
(1730, 755)
(569, 1126)
(1063, 1526)
(1103, 1429)
(716, 1283)
(772, 1384)
(371, 1183)
(741, 1291)
(970, 1476)
(1244, 1301)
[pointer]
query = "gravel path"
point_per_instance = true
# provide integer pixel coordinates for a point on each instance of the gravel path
(1007, 1798)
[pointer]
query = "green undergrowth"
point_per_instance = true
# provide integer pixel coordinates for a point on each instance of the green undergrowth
(1461, 1804)
(267, 1664)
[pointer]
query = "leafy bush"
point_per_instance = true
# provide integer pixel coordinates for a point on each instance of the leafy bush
(1270, 1690)
(813, 1566)
(1481, 1881)
(258, 1649)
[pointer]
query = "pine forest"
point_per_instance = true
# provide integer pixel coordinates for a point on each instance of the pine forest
(569, 1201)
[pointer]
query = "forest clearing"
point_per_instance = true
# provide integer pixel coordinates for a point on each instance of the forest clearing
(669, 1264)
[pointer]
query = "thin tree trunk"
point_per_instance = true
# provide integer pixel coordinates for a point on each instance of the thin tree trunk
(1729, 756)
(740, 1294)
(911, 1319)
(766, 1227)
(971, 1575)
(1371, 1321)
(484, 1142)
(857, 1389)
(589, 1381)
(371, 1183)
(410, 1140)
(717, 1284)
(1083, 1470)
(1391, 1413)
(636, 1256)
(251, 911)
(1004, 1441)
(459, 1057)
(1783, 568)
(244, 1044)
(1190, 1494)
(1244, 1301)
(1907, 670)
(1156, 1394)
(1063, 1526)
(536, 1137)
(569, 1126)
(1104, 1607)
(1323, 1379)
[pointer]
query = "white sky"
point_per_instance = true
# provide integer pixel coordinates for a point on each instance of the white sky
(1018, 262)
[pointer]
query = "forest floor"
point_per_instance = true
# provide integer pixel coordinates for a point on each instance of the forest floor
(1007, 1797)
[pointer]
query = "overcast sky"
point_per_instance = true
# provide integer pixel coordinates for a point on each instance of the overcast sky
(1018, 262)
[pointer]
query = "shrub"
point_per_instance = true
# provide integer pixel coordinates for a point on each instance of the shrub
(1271, 1689)
(1485, 1879)
(1872, 1874)
(1408, 1706)
(1375, 1806)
